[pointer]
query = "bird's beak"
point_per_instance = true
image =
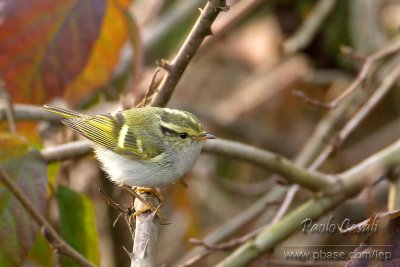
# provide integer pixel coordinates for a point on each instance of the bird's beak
(206, 137)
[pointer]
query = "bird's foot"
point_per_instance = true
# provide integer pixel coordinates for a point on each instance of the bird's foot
(135, 193)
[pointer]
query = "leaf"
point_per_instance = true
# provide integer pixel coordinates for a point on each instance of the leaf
(11, 146)
(41, 253)
(104, 55)
(49, 46)
(77, 225)
(17, 229)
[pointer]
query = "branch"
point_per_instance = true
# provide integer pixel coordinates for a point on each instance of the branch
(66, 151)
(145, 233)
(353, 181)
(263, 158)
(239, 11)
(51, 235)
(244, 218)
(175, 69)
(309, 28)
(28, 112)
(286, 168)
(361, 114)
(361, 77)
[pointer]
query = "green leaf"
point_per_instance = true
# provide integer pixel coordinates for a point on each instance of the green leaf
(41, 253)
(77, 225)
(17, 229)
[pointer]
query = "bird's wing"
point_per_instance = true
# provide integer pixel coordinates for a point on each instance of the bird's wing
(111, 131)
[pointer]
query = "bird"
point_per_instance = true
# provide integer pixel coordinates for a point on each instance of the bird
(145, 147)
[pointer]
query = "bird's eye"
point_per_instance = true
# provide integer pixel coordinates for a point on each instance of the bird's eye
(182, 135)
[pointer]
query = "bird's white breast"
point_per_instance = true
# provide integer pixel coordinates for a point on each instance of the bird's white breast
(149, 173)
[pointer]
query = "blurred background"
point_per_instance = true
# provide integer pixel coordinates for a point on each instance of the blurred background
(99, 56)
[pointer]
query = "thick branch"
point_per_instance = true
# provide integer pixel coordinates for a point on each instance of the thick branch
(175, 69)
(55, 240)
(353, 181)
(263, 158)
(273, 162)
(145, 234)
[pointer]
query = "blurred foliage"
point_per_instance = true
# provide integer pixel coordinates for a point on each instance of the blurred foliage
(69, 51)
(55, 49)
(78, 225)
(17, 230)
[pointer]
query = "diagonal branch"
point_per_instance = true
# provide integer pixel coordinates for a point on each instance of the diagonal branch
(353, 181)
(175, 69)
(54, 239)
(361, 77)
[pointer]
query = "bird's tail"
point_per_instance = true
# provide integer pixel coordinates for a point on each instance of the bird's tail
(68, 114)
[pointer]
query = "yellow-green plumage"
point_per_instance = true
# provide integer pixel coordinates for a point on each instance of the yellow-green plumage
(155, 145)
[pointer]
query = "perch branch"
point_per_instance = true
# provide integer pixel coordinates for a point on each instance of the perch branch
(145, 233)
(200, 31)
(263, 158)
(54, 239)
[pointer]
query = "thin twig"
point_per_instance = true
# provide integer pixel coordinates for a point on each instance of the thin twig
(175, 69)
(54, 239)
(28, 112)
(232, 225)
(237, 12)
(210, 248)
(361, 77)
(361, 114)
(304, 35)
(353, 181)
(290, 194)
(8, 109)
(151, 90)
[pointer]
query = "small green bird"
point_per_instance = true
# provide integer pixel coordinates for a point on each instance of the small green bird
(142, 147)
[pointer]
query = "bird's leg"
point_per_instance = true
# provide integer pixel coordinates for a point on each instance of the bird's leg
(151, 190)
(135, 193)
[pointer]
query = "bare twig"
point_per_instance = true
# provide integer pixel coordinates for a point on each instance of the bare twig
(309, 28)
(236, 14)
(352, 124)
(151, 90)
(28, 112)
(234, 224)
(54, 239)
(8, 109)
(361, 77)
(200, 31)
(66, 151)
(290, 194)
(353, 181)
